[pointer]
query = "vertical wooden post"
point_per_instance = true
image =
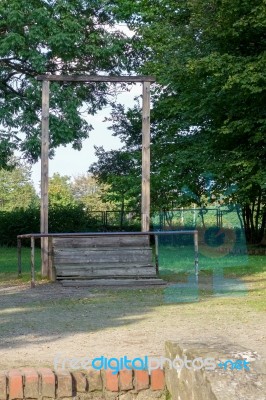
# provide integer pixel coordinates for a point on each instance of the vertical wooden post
(44, 176)
(32, 261)
(157, 254)
(196, 251)
(145, 187)
(19, 257)
(52, 274)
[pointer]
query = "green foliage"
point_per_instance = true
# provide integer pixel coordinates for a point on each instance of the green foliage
(60, 193)
(16, 189)
(89, 192)
(54, 37)
(120, 170)
(18, 222)
(208, 117)
(69, 218)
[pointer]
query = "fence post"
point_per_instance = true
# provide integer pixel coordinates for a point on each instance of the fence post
(32, 259)
(156, 254)
(52, 274)
(19, 256)
(196, 250)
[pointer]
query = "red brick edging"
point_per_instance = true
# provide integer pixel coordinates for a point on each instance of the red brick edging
(30, 383)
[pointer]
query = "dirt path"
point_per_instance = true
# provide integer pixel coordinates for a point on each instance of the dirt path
(36, 324)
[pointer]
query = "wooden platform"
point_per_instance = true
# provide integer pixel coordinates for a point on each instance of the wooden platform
(104, 261)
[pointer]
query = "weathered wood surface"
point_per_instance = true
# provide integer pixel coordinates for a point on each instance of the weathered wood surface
(103, 258)
(68, 256)
(145, 185)
(95, 78)
(114, 282)
(104, 266)
(104, 241)
(91, 273)
(45, 177)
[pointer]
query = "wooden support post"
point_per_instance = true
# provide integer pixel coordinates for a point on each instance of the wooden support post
(19, 257)
(196, 250)
(52, 274)
(44, 176)
(145, 187)
(32, 261)
(157, 254)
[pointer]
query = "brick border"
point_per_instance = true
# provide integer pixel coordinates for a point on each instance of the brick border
(45, 384)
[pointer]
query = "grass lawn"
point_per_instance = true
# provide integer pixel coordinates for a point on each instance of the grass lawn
(181, 260)
(218, 276)
(9, 264)
(221, 276)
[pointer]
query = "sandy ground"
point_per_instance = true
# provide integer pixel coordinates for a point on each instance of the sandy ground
(36, 324)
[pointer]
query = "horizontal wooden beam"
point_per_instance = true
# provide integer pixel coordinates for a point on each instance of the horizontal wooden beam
(95, 78)
(90, 234)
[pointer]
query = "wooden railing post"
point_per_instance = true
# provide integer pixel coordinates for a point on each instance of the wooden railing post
(196, 250)
(156, 254)
(52, 274)
(19, 256)
(32, 259)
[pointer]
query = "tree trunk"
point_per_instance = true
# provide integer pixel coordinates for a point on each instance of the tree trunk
(263, 229)
(254, 225)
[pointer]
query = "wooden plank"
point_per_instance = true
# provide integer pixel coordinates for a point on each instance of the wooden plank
(99, 250)
(100, 278)
(44, 176)
(95, 78)
(145, 187)
(103, 241)
(103, 266)
(103, 256)
(103, 250)
(115, 268)
(114, 282)
(107, 273)
(104, 259)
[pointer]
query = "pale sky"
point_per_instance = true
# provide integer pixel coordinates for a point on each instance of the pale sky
(68, 161)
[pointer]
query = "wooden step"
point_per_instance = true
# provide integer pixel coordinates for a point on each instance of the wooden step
(114, 282)
(92, 273)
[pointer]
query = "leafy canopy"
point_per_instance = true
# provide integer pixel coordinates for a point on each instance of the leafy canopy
(54, 37)
(208, 117)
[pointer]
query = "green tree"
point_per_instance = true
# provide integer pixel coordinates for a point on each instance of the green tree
(60, 193)
(89, 192)
(17, 190)
(54, 37)
(209, 60)
(120, 170)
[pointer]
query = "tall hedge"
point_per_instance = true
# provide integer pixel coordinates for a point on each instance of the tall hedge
(72, 218)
